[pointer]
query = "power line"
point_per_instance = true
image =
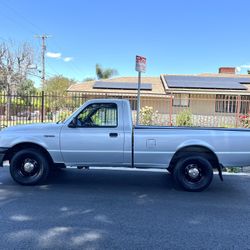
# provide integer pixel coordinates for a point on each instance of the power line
(31, 74)
(21, 15)
(47, 75)
(52, 68)
(23, 18)
(16, 21)
(75, 68)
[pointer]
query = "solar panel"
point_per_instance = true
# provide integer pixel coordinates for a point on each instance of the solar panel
(121, 85)
(206, 82)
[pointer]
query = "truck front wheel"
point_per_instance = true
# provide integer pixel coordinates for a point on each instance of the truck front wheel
(29, 167)
(193, 173)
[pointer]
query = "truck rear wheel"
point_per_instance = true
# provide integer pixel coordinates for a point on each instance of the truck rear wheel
(193, 173)
(29, 167)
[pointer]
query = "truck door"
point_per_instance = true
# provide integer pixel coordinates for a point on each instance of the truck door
(96, 138)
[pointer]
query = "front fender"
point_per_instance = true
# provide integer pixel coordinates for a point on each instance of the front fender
(51, 144)
(11, 141)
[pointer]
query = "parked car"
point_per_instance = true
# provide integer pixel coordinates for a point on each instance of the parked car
(100, 133)
(29, 114)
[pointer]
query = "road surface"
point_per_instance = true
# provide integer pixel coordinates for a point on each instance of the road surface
(114, 209)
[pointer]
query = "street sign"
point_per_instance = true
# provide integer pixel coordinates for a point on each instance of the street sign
(140, 64)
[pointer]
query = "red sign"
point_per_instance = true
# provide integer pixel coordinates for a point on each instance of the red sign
(140, 64)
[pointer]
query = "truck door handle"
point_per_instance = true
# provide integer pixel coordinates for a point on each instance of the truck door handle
(113, 134)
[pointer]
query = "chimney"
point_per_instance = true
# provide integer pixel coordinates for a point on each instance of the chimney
(227, 70)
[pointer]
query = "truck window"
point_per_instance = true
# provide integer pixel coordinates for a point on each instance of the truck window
(98, 115)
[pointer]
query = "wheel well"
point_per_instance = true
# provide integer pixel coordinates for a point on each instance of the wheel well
(26, 145)
(195, 150)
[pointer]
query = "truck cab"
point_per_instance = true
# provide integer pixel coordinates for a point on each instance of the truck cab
(99, 134)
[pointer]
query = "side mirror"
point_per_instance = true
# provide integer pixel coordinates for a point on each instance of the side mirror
(73, 123)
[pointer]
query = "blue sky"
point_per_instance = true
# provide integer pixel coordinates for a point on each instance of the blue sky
(177, 37)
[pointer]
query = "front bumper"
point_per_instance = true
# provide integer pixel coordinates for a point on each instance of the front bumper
(2, 154)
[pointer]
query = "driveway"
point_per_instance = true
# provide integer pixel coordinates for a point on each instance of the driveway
(114, 209)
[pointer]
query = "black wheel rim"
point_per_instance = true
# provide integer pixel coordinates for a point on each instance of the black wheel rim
(194, 172)
(28, 168)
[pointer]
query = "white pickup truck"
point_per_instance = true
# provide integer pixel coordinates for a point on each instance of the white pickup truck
(100, 133)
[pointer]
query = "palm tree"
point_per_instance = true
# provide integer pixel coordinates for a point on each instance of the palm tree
(102, 73)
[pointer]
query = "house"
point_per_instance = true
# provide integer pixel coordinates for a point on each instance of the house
(225, 92)
(214, 99)
(152, 90)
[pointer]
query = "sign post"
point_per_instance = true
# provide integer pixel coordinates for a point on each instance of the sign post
(140, 68)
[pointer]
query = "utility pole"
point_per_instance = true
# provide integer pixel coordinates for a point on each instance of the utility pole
(43, 37)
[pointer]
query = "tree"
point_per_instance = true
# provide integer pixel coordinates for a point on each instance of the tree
(248, 72)
(102, 73)
(88, 79)
(15, 65)
(15, 62)
(58, 84)
(26, 87)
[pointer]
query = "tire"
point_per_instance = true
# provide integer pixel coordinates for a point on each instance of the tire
(193, 173)
(29, 167)
(170, 170)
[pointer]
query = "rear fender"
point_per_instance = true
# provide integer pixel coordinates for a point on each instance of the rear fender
(192, 143)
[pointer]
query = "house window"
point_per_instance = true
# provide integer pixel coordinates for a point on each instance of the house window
(181, 100)
(225, 104)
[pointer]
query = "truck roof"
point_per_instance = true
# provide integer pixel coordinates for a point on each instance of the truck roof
(106, 100)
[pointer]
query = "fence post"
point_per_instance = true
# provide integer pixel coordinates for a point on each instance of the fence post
(170, 110)
(8, 108)
(42, 117)
(237, 112)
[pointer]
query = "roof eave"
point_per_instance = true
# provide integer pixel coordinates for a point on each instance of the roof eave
(207, 91)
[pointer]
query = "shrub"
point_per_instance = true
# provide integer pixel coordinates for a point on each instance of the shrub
(184, 118)
(148, 116)
(50, 116)
(63, 115)
(245, 121)
(233, 170)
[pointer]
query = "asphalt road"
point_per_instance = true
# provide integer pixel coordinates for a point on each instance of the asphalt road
(105, 209)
